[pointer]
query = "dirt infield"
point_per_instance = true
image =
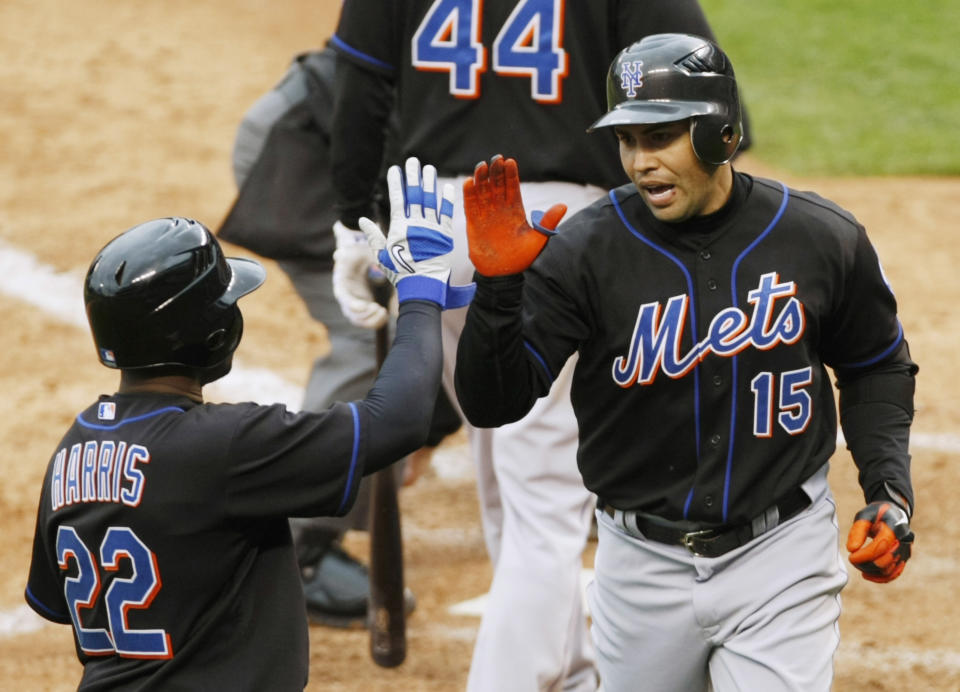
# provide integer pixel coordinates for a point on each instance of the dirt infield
(114, 113)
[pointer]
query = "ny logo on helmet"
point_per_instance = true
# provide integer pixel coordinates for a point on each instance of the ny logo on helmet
(631, 77)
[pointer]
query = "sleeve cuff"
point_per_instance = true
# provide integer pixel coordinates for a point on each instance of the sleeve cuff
(499, 291)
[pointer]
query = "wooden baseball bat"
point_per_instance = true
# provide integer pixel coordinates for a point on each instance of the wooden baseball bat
(386, 614)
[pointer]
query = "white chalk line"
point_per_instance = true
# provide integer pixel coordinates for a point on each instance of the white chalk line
(432, 631)
(444, 537)
(20, 620)
(857, 654)
(935, 442)
(851, 654)
(60, 295)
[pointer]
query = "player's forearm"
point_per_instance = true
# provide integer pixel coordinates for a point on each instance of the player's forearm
(360, 115)
(496, 382)
(876, 412)
(400, 405)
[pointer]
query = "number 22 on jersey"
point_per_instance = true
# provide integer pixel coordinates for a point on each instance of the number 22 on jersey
(137, 591)
(529, 44)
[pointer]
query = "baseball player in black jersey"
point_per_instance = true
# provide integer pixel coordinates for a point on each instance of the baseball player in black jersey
(706, 306)
(162, 532)
(469, 78)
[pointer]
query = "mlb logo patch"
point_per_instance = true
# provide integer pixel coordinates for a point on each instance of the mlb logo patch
(107, 356)
(107, 410)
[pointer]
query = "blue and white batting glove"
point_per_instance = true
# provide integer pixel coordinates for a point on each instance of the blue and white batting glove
(415, 255)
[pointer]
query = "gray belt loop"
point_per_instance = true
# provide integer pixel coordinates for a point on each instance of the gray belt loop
(625, 522)
(619, 520)
(766, 521)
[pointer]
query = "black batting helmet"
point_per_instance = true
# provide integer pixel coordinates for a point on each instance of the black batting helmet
(669, 77)
(162, 294)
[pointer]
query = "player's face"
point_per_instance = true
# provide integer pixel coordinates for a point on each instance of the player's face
(673, 182)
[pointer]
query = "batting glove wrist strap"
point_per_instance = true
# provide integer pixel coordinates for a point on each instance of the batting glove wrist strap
(443, 294)
(883, 558)
(539, 221)
(415, 255)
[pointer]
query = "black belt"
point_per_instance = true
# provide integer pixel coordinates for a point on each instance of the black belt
(716, 541)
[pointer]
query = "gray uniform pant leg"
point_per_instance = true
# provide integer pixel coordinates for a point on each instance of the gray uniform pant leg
(761, 617)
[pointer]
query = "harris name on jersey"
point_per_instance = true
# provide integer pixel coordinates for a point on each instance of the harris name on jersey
(98, 471)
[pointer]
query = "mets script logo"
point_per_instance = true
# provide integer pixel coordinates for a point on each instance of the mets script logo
(631, 77)
(655, 344)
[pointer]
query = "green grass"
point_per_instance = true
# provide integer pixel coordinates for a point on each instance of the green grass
(848, 87)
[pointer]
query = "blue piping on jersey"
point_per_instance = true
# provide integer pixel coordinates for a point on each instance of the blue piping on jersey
(543, 363)
(54, 615)
(114, 426)
(733, 389)
(693, 330)
(346, 48)
(881, 356)
(353, 459)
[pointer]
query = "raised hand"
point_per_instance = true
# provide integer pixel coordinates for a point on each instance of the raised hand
(415, 255)
(501, 241)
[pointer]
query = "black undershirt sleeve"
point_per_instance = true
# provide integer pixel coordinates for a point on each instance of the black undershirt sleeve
(364, 99)
(876, 410)
(497, 380)
(399, 407)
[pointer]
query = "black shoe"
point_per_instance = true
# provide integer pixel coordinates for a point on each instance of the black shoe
(337, 588)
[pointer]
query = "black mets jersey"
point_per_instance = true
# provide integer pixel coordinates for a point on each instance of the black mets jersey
(473, 78)
(162, 537)
(701, 391)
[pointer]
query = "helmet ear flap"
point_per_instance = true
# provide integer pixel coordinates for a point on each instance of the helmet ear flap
(225, 337)
(715, 139)
(216, 339)
(221, 343)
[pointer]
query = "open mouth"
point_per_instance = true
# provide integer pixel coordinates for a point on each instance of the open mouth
(659, 194)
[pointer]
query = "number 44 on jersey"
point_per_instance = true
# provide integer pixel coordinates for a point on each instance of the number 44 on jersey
(529, 44)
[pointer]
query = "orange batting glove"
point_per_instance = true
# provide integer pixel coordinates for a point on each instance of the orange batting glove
(884, 557)
(500, 239)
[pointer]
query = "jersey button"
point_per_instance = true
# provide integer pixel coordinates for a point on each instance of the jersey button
(712, 285)
(708, 501)
(705, 254)
(717, 380)
(715, 440)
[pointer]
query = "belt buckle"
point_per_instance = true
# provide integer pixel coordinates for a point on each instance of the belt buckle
(687, 540)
